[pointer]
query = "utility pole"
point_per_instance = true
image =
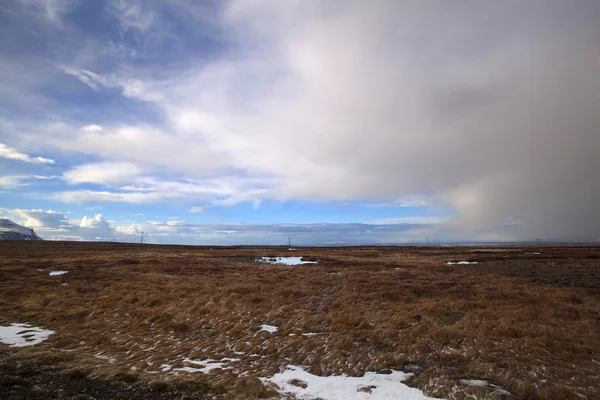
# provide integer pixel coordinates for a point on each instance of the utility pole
(427, 241)
(289, 241)
(142, 239)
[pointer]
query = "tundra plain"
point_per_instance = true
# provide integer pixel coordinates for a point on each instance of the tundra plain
(149, 321)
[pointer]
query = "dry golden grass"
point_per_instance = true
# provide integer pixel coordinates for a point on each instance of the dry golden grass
(128, 310)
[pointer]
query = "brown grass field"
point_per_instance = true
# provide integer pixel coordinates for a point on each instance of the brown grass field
(130, 315)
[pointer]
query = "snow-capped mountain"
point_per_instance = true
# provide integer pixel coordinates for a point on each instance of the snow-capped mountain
(11, 231)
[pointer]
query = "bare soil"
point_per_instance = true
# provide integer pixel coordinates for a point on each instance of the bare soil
(129, 318)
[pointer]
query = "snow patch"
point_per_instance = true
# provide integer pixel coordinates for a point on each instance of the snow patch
(284, 260)
(56, 273)
(296, 381)
(21, 335)
(532, 253)
(268, 328)
(462, 262)
(485, 384)
(206, 365)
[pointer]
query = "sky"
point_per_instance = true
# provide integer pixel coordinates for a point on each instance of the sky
(330, 122)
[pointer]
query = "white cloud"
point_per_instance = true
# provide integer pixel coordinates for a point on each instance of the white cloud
(14, 181)
(407, 201)
(420, 220)
(90, 78)
(196, 210)
(91, 196)
(54, 225)
(145, 189)
(92, 128)
(97, 221)
(50, 10)
(13, 154)
(105, 173)
(132, 229)
(11, 182)
(42, 218)
(133, 15)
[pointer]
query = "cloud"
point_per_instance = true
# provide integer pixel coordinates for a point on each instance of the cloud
(93, 80)
(420, 220)
(95, 227)
(15, 181)
(92, 128)
(51, 11)
(196, 210)
(408, 201)
(13, 154)
(355, 101)
(54, 225)
(131, 188)
(97, 221)
(129, 230)
(11, 182)
(42, 218)
(105, 173)
(132, 15)
(91, 196)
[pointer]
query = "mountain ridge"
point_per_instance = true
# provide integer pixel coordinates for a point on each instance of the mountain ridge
(13, 231)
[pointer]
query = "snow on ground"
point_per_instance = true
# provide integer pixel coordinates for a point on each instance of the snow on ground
(21, 335)
(296, 381)
(205, 365)
(268, 328)
(485, 384)
(532, 253)
(56, 273)
(284, 260)
(462, 262)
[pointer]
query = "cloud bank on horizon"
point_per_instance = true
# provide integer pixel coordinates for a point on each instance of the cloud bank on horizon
(358, 122)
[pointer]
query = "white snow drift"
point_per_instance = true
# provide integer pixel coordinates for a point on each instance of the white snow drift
(268, 328)
(372, 386)
(57, 273)
(21, 335)
(462, 262)
(205, 366)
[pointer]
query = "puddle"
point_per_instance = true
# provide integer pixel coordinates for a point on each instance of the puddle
(284, 260)
(297, 382)
(21, 335)
(56, 273)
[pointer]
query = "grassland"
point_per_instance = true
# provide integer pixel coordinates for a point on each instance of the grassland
(136, 315)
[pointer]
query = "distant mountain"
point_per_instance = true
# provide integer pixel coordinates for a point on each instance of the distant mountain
(11, 231)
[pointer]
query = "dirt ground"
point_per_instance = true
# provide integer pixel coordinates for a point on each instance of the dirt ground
(134, 321)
